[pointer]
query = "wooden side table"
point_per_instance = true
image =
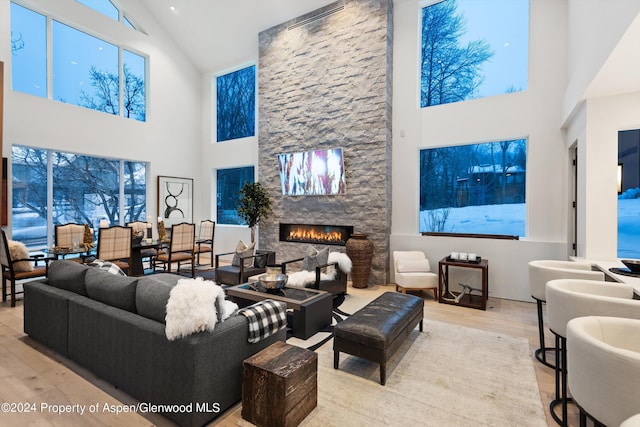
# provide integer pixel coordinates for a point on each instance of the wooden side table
(467, 300)
(279, 385)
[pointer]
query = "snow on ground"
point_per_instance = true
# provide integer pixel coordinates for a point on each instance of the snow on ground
(510, 219)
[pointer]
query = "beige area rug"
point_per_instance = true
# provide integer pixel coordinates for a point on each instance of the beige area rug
(446, 376)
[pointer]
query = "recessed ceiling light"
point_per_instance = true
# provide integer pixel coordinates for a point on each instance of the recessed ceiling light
(172, 8)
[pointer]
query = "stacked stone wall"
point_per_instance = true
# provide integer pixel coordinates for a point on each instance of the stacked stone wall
(327, 84)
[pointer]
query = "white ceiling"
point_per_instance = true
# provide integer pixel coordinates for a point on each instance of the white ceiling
(217, 34)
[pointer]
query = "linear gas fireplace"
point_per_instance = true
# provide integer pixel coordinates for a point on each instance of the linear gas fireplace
(316, 233)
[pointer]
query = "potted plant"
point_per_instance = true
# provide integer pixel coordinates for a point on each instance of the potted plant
(253, 205)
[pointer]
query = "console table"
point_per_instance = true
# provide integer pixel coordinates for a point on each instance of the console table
(467, 299)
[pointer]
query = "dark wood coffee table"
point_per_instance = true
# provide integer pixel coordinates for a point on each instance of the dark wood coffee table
(311, 309)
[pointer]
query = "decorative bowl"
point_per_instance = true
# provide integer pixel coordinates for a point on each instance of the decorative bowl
(632, 264)
(273, 281)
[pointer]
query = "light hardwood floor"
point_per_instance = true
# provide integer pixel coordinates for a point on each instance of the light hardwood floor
(33, 375)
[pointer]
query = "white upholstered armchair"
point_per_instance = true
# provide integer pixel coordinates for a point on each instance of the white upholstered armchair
(413, 272)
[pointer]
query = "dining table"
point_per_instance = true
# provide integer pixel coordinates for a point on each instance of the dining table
(136, 268)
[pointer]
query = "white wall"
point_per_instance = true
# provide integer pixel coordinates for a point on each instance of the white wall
(170, 138)
(534, 113)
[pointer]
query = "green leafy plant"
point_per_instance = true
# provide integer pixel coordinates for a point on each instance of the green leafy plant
(253, 205)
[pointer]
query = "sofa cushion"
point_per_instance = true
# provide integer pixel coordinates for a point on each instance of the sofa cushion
(152, 294)
(68, 275)
(114, 290)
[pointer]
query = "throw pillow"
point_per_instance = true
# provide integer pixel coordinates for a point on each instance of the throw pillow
(314, 258)
(243, 251)
(260, 260)
(17, 250)
(412, 265)
(107, 266)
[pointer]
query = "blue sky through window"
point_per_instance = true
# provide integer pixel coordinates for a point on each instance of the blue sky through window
(472, 49)
(103, 6)
(505, 25)
(74, 53)
(29, 59)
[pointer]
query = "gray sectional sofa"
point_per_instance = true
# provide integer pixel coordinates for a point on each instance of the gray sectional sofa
(114, 326)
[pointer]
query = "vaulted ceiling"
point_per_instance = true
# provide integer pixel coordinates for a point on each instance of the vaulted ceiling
(217, 34)
(221, 34)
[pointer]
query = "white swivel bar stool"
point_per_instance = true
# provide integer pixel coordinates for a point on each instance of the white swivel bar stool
(604, 356)
(568, 299)
(544, 270)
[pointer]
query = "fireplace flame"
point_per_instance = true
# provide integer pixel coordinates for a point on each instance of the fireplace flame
(314, 235)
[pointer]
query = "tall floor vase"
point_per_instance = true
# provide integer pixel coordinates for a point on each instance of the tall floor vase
(360, 250)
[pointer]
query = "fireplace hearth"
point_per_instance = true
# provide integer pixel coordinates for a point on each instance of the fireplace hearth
(316, 233)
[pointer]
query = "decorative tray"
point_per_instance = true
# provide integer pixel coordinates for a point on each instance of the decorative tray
(465, 261)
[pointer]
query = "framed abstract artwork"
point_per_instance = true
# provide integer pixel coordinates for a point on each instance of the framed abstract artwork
(175, 200)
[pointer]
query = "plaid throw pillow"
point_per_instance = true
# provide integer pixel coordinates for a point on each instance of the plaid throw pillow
(108, 266)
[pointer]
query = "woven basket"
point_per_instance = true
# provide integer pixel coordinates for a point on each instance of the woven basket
(360, 250)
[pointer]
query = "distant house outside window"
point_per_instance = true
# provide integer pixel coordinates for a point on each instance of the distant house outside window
(229, 183)
(236, 104)
(474, 188)
(472, 49)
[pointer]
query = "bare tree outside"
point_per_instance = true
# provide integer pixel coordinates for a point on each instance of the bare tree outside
(106, 95)
(449, 70)
(236, 104)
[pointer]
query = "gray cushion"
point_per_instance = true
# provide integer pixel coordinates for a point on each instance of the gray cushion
(243, 251)
(315, 258)
(68, 275)
(114, 290)
(152, 295)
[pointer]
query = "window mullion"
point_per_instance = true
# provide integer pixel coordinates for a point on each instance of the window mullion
(49, 198)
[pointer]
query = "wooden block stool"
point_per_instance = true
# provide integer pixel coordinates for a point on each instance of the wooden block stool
(279, 385)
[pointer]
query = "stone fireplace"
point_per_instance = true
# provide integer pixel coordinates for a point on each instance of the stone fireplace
(316, 233)
(325, 82)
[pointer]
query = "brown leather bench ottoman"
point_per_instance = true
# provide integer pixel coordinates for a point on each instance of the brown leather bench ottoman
(377, 330)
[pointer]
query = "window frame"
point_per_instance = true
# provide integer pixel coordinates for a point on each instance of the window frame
(121, 48)
(465, 233)
(122, 194)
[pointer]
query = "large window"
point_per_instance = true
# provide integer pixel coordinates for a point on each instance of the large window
(229, 184)
(474, 189)
(86, 71)
(236, 104)
(85, 189)
(629, 194)
(109, 9)
(28, 51)
(472, 49)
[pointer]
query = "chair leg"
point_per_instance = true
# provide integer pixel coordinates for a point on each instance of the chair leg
(562, 397)
(13, 293)
(541, 353)
(4, 288)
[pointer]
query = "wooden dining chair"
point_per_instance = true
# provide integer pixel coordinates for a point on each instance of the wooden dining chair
(204, 242)
(18, 266)
(114, 244)
(180, 249)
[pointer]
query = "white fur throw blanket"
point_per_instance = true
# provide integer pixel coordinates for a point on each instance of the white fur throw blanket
(303, 278)
(195, 305)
